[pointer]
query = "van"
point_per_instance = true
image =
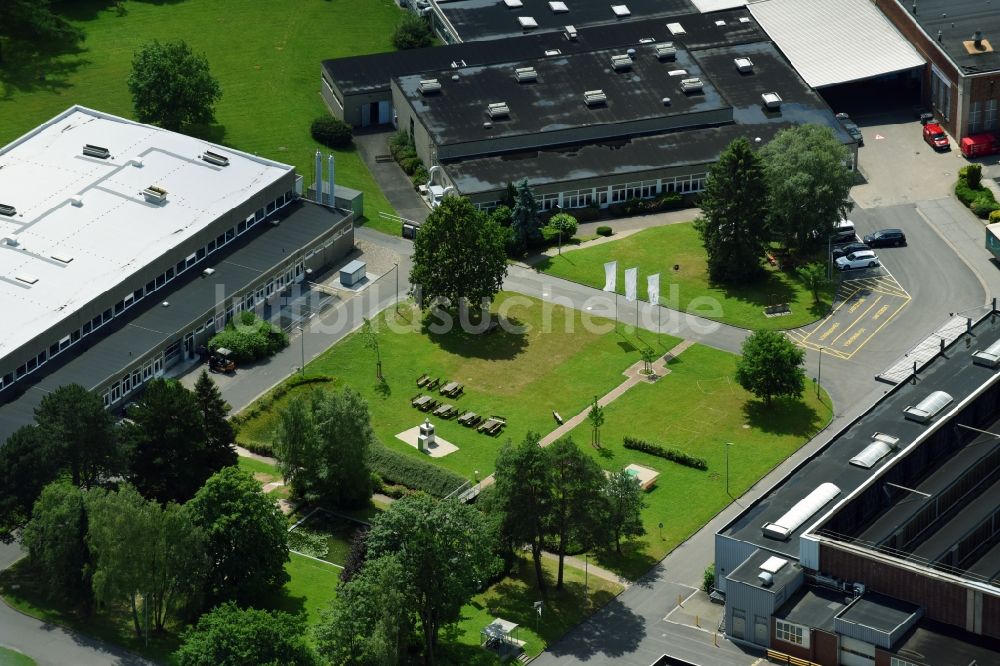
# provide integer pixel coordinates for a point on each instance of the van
(844, 232)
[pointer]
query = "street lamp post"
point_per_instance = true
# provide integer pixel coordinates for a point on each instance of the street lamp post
(396, 267)
(819, 371)
(728, 444)
(302, 341)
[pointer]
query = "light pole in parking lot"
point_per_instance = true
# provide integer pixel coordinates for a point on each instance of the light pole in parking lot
(829, 257)
(819, 371)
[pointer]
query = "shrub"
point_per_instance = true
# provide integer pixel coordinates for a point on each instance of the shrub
(331, 132)
(708, 579)
(413, 32)
(995, 216)
(420, 176)
(397, 468)
(410, 164)
(980, 200)
(588, 214)
(604, 231)
(252, 339)
(563, 222)
(672, 455)
(973, 175)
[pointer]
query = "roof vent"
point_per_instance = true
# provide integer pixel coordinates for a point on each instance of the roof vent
(666, 51)
(677, 72)
(487, 125)
(765, 579)
(773, 564)
(881, 446)
(76, 200)
(990, 357)
(666, 101)
(803, 510)
(455, 64)
(595, 97)
(527, 22)
(553, 52)
(215, 158)
(427, 86)
(155, 194)
(62, 258)
(744, 65)
(692, 85)
(570, 32)
(676, 29)
(207, 272)
(454, 77)
(744, 19)
(772, 100)
(621, 63)
(513, 4)
(558, 7)
(96, 151)
(10, 241)
(646, 40)
(498, 110)
(525, 74)
(720, 24)
(7, 210)
(620, 10)
(929, 407)
(25, 278)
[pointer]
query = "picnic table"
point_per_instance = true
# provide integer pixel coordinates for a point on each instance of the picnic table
(423, 379)
(469, 419)
(420, 401)
(445, 411)
(452, 389)
(492, 425)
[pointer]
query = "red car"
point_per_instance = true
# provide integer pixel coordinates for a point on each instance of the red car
(935, 137)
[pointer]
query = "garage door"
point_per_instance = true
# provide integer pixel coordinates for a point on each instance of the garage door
(856, 653)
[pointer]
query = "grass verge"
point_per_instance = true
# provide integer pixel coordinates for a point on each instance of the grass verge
(10, 657)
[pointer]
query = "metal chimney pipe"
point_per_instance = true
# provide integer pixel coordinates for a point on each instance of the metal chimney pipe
(319, 177)
(977, 39)
(329, 176)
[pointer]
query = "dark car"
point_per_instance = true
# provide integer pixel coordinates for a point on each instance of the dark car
(851, 127)
(848, 248)
(886, 238)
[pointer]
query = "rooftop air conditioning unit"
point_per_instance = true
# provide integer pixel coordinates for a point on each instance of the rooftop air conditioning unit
(498, 110)
(525, 74)
(96, 151)
(666, 51)
(7, 210)
(929, 407)
(772, 100)
(570, 32)
(621, 63)
(215, 158)
(647, 40)
(595, 97)
(990, 357)
(765, 578)
(427, 86)
(744, 65)
(692, 85)
(676, 29)
(155, 194)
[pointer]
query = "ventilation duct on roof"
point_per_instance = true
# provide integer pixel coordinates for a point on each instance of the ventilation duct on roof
(744, 65)
(676, 29)
(498, 110)
(595, 97)
(692, 85)
(7, 210)
(76, 200)
(621, 63)
(929, 407)
(96, 151)
(525, 74)
(26, 279)
(527, 22)
(805, 509)
(62, 258)
(881, 446)
(765, 579)
(570, 32)
(990, 357)
(666, 51)
(427, 86)
(215, 158)
(10, 241)
(771, 100)
(154, 194)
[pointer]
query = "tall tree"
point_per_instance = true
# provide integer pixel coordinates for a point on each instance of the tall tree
(526, 222)
(232, 636)
(771, 366)
(55, 540)
(27, 465)
(413, 32)
(524, 496)
(444, 552)
(808, 184)
(733, 225)
(74, 422)
(458, 254)
(625, 503)
(219, 434)
(814, 278)
(577, 483)
(172, 86)
(32, 24)
(369, 623)
(247, 538)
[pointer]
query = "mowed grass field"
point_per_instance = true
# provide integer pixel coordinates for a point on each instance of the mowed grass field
(659, 249)
(266, 56)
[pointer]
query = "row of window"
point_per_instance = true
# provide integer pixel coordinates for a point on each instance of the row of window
(612, 194)
(983, 116)
(135, 296)
(791, 633)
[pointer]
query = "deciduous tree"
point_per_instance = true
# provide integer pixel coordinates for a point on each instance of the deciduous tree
(81, 433)
(232, 636)
(771, 366)
(814, 278)
(577, 484)
(172, 86)
(27, 465)
(413, 32)
(625, 503)
(32, 24)
(55, 540)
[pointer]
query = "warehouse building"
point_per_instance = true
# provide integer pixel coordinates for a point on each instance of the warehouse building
(884, 547)
(125, 247)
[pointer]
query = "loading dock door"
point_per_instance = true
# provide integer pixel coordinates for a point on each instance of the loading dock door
(856, 653)
(761, 635)
(384, 113)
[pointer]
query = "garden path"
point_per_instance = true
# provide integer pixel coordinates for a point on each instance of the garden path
(591, 569)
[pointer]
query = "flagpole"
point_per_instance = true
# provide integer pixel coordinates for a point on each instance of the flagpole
(616, 309)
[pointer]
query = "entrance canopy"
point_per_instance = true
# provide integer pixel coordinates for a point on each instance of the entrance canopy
(835, 42)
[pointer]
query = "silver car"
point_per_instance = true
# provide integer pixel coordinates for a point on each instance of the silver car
(859, 259)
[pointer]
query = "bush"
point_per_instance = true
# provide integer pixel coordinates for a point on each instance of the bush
(588, 214)
(563, 222)
(708, 579)
(672, 455)
(980, 200)
(420, 176)
(400, 469)
(252, 339)
(413, 32)
(973, 175)
(604, 231)
(411, 164)
(995, 216)
(331, 132)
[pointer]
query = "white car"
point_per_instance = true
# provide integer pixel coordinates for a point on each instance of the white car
(859, 259)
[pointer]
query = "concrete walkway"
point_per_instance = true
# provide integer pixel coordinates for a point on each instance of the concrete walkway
(394, 183)
(591, 569)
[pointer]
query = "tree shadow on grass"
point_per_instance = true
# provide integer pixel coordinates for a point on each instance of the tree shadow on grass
(773, 288)
(633, 560)
(503, 343)
(784, 416)
(213, 132)
(27, 72)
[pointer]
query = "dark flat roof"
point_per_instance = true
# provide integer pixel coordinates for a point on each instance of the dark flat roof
(149, 324)
(555, 101)
(967, 16)
(939, 644)
(489, 19)
(959, 524)
(879, 612)
(813, 607)
(750, 569)
(371, 73)
(956, 375)
(988, 566)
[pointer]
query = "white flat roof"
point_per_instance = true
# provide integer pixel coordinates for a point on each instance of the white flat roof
(91, 214)
(835, 42)
(706, 6)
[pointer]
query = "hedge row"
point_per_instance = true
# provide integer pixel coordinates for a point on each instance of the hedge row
(264, 403)
(971, 192)
(672, 455)
(397, 468)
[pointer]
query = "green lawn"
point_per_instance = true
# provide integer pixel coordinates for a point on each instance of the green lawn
(513, 598)
(522, 376)
(312, 587)
(659, 249)
(266, 56)
(10, 657)
(697, 408)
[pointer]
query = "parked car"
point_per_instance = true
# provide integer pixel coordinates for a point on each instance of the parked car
(886, 238)
(848, 248)
(851, 127)
(935, 137)
(844, 232)
(859, 259)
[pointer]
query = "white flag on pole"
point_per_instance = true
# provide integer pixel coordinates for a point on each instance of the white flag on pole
(653, 288)
(610, 275)
(631, 275)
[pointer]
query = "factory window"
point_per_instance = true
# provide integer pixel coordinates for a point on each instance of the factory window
(791, 633)
(617, 193)
(896, 661)
(241, 227)
(990, 121)
(940, 92)
(548, 201)
(975, 117)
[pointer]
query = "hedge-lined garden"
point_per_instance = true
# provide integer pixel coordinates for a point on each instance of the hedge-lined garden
(977, 197)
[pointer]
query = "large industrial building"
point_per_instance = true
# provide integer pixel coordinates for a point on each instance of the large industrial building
(123, 247)
(883, 548)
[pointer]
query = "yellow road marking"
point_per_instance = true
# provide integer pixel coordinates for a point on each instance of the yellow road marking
(881, 311)
(858, 318)
(833, 328)
(850, 341)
